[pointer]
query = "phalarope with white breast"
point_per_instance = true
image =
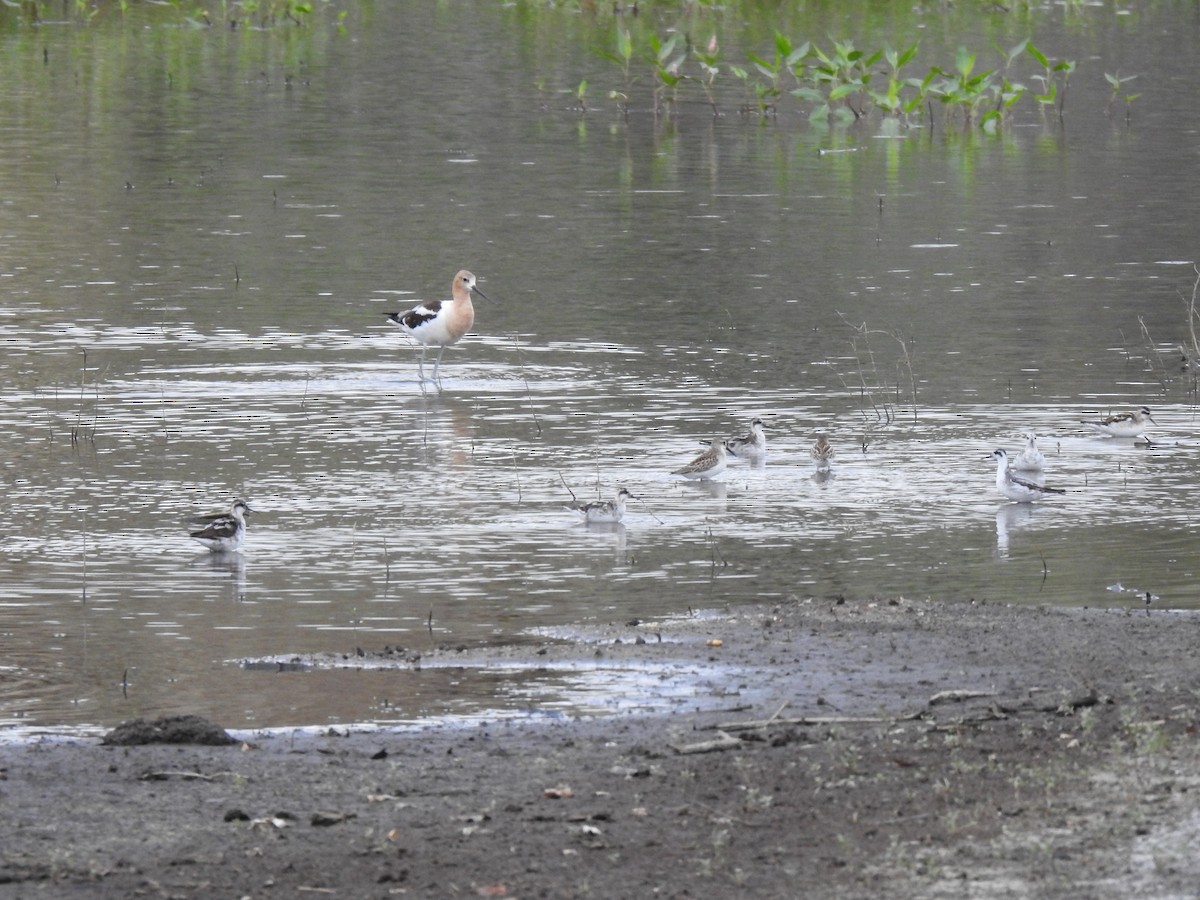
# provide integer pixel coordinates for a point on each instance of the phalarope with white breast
(708, 464)
(1031, 458)
(750, 446)
(1015, 488)
(1129, 424)
(441, 323)
(224, 532)
(603, 511)
(821, 452)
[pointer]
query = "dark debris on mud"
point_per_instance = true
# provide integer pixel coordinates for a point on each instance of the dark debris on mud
(168, 730)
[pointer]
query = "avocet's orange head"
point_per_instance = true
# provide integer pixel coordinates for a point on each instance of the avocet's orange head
(464, 285)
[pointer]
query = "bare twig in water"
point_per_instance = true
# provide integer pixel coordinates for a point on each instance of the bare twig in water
(1191, 355)
(714, 550)
(75, 432)
(96, 407)
(528, 391)
(904, 370)
(1192, 312)
(649, 510)
(574, 499)
(83, 597)
(1152, 348)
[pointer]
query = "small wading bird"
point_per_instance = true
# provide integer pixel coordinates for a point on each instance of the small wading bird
(1030, 459)
(1015, 488)
(441, 323)
(1129, 424)
(749, 446)
(603, 511)
(224, 532)
(822, 452)
(708, 464)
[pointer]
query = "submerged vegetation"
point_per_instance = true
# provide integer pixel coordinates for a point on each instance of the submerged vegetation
(665, 53)
(841, 83)
(231, 13)
(837, 65)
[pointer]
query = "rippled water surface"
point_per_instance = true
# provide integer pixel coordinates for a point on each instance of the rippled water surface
(194, 274)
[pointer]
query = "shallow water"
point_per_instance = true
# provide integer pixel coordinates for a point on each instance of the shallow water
(216, 328)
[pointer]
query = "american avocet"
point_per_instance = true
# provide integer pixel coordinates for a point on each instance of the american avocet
(598, 511)
(749, 446)
(822, 452)
(1129, 424)
(1030, 459)
(1015, 488)
(708, 464)
(224, 532)
(441, 323)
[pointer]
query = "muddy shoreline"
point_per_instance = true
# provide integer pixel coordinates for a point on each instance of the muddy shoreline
(853, 748)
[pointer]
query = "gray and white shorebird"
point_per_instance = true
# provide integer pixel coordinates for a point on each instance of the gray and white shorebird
(1030, 459)
(752, 445)
(603, 511)
(224, 532)
(1127, 424)
(1016, 488)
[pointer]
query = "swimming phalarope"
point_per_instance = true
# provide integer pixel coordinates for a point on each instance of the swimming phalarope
(822, 452)
(609, 511)
(1030, 459)
(1018, 489)
(708, 464)
(441, 323)
(750, 446)
(1129, 424)
(224, 532)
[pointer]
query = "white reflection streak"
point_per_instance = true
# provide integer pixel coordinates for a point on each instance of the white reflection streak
(1009, 517)
(232, 563)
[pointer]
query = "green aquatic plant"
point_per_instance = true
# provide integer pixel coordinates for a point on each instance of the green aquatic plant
(964, 89)
(845, 75)
(891, 100)
(707, 60)
(983, 97)
(268, 12)
(839, 83)
(1117, 83)
(623, 57)
(668, 64)
(1055, 73)
(787, 57)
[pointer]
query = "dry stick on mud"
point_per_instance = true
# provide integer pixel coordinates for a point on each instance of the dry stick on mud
(812, 720)
(722, 741)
